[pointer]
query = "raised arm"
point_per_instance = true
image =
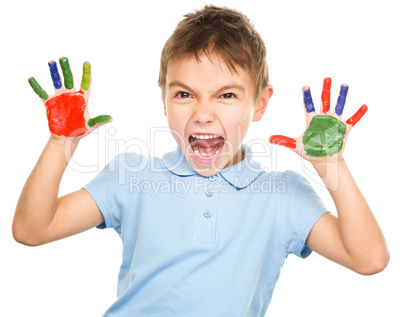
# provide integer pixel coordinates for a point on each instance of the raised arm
(41, 216)
(354, 238)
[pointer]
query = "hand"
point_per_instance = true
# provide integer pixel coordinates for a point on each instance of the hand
(325, 136)
(67, 110)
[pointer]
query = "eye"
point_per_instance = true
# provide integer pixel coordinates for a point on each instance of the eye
(183, 94)
(228, 95)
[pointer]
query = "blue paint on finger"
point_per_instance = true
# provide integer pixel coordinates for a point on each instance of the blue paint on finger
(341, 99)
(55, 74)
(308, 101)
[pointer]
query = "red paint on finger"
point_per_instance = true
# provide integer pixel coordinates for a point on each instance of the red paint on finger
(357, 116)
(283, 140)
(326, 95)
(65, 114)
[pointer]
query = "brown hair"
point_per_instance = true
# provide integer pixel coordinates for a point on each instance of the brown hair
(224, 31)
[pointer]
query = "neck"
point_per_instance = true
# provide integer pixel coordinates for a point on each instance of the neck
(237, 158)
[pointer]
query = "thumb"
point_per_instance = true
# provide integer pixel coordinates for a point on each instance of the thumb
(102, 119)
(283, 140)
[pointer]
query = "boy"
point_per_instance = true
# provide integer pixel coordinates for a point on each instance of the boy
(211, 240)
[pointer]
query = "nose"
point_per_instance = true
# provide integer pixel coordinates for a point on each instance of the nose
(203, 113)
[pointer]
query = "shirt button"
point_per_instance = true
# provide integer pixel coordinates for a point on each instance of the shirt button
(207, 214)
(209, 193)
(212, 178)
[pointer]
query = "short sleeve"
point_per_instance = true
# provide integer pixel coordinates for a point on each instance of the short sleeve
(301, 210)
(111, 188)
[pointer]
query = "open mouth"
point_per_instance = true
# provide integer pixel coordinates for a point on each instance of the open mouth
(206, 146)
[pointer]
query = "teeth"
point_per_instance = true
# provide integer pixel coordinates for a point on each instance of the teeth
(204, 136)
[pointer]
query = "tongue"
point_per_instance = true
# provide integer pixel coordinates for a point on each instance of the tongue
(208, 151)
(208, 143)
(208, 147)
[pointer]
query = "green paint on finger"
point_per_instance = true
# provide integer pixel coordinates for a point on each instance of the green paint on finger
(86, 76)
(99, 119)
(68, 76)
(38, 89)
(324, 136)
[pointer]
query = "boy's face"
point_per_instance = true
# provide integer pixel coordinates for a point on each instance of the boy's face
(209, 110)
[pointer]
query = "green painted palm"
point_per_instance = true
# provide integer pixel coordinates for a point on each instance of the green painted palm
(326, 132)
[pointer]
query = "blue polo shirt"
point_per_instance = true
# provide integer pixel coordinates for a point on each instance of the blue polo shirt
(201, 246)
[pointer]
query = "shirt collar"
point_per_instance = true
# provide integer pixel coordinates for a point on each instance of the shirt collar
(240, 175)
(177, 163)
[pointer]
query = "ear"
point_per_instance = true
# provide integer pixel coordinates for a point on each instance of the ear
(163, 99)
(262, 103)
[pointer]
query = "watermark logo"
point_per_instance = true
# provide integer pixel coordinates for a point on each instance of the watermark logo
(186, 186)
(108, 147)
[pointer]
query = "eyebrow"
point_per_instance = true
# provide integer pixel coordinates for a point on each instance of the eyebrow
(227, 87)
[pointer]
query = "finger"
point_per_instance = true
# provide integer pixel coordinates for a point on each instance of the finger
(308, 100)
(86, 76)
(68, 76)
(99, 119)
(357, 116)
(283, 140)
(326, 95)
(341, 99)
(38, 89)
(54, 72)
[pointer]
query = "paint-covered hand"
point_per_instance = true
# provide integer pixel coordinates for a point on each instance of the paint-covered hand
(326, 133)
(67, 109)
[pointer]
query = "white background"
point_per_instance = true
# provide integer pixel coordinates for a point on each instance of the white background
(357, 42)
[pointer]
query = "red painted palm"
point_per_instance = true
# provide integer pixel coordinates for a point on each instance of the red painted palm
(66, 109)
